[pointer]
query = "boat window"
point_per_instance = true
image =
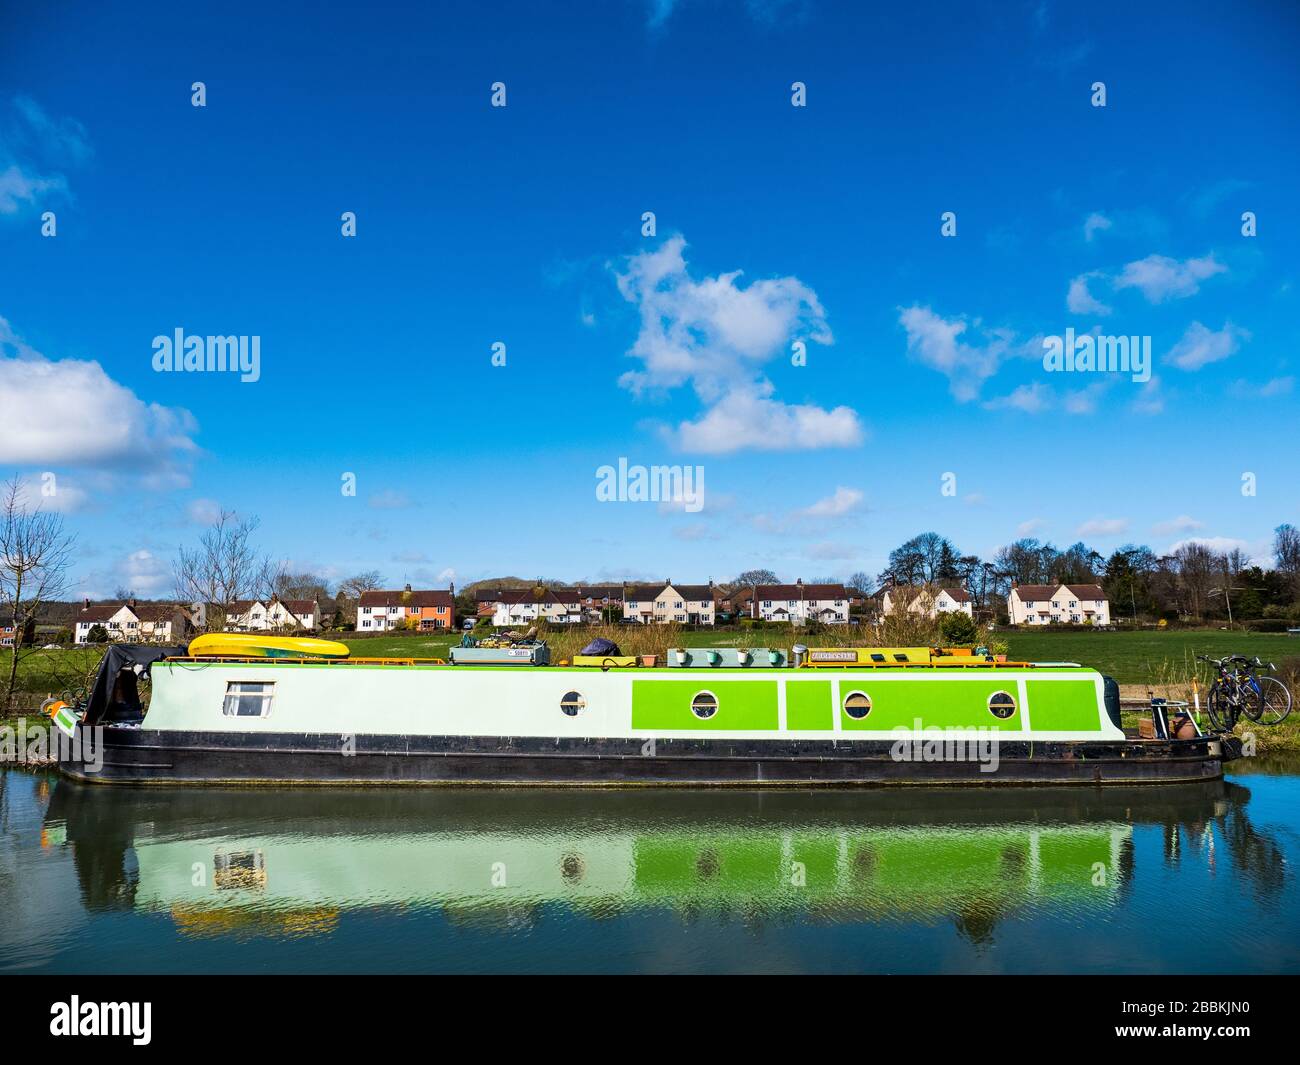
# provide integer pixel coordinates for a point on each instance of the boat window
(571, 703)
(704, 705)
(857, 705)
(248, 698)
(1001, 705)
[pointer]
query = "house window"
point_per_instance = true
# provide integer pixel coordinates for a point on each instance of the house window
(248, 698)
(1029, 602)
(704, 705)
(1001, 705)
(1073, 603)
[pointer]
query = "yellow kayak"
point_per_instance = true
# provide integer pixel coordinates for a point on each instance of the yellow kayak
(254, 645)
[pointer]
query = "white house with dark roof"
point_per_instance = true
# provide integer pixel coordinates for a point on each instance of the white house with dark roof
(927, 600)
(668, 603)
(801, 603)
(133, 622)
(519, 606)
(1061, 604)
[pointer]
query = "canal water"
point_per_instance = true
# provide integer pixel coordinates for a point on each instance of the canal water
(1168, 879)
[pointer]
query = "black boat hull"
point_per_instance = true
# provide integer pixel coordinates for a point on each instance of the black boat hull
(136, 756)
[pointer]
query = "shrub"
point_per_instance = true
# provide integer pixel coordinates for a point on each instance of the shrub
(958, 629)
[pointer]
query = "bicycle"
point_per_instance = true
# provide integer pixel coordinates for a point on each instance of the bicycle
(1274, 698)
(1240, 690)
(1230, 694)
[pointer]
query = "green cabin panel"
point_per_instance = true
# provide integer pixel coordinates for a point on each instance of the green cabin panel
(1063, 706)
(743, 705)
(935, 703)
(809, 706)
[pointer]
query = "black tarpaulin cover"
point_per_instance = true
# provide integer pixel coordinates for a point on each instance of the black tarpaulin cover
(116, 695)
(600, 646)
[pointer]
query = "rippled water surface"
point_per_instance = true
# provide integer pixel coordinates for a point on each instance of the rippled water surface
(1180, 878)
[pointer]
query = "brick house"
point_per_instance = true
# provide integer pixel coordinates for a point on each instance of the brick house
(431, 609)
(1062, 604)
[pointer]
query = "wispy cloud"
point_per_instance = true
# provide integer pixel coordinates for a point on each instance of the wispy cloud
(961, 350)
(1080, 300)
(34, 149)
(840, 502)
(1104, 527)
(1095, 223)
(1184, 523)
(1160, 278)
(1200, 346)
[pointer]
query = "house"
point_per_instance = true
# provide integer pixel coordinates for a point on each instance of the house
(1062, 604)
(728, 606)
(519, 606)
(668, 603)
(927, 600)
(800, 603)
(284, 614)
(258, 615)
(426, 610)
(133, 622)
(7, 635)
(595, 599)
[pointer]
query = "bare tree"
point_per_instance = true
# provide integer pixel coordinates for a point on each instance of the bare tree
(224, 567)
(369, 581)
(35, 554)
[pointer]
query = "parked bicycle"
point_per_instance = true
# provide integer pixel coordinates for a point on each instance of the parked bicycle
(1240, 690)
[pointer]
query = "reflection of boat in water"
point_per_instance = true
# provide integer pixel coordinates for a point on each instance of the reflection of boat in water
(291, 862)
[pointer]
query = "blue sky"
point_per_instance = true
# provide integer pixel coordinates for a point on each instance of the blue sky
(523, 225)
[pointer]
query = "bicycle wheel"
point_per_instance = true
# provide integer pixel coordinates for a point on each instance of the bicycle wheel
(1217, 708)
(1274, 702)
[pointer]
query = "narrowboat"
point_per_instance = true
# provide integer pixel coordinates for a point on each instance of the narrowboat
(741, 717)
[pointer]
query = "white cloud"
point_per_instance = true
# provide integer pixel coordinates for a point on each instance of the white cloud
(18, 187)
(203, 511)
(1104, 527)
(1159, 277)
(388, 499)
(1095, 223)
(56, 495)
(1030, 527)
(1184, 523)
(841, 502)
(936, 342)
(1031, 399)
(1200, 346)
(30, 143)
(715, 336)
(70, 412)
(748, 419)
(1084, 401)
(446, 575)
(1277, 386)
(1149, 400)
(1080, 300)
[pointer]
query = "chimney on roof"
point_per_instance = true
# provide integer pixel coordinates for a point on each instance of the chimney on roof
(85, 604)
(799, 580)
(407, 588)
(131, 602)
(452, 589)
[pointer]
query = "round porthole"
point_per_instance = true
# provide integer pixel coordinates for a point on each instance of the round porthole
(1001, 705)
(857, 705)
(704, 705)
(571, 703)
